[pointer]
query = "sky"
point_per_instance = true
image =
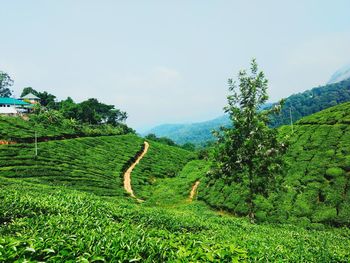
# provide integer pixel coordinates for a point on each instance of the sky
(169, 61)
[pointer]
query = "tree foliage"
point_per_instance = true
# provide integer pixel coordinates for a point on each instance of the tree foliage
(90, 111)
(249, 155)
(5, 83)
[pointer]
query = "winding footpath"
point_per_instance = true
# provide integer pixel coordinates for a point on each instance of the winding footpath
(127, 174)
(194, 190)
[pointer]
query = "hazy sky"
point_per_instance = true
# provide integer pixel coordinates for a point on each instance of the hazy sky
(168, 61)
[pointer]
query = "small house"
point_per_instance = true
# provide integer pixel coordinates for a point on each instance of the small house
(12, 107)
(31, 98)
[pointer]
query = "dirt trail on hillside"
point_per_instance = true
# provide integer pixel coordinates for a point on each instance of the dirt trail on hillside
(194, 190)
(127, 174)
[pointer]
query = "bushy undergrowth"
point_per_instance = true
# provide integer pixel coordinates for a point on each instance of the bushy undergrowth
(161, 161)
(315, 188)
(88, 164)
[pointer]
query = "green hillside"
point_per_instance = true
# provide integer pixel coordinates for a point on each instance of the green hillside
(196, 133)
(68, 204)
(19, 130)
(88, 164)
(315, 188)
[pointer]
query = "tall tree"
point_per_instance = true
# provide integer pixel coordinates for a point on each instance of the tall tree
(5, 83)
(249, 154)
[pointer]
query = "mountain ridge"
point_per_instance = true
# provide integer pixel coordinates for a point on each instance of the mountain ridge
(302, 104)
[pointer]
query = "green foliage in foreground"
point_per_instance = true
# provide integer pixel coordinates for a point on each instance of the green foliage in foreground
(88, 164)
(57, 225)
(161, 161)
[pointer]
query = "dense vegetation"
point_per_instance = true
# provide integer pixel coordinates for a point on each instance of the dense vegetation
(316, 187)
(88, 164)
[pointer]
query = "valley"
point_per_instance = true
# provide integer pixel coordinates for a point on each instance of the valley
(69, 203)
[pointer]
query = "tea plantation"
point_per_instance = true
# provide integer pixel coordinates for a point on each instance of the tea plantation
(317, 183)
(315, 188)
(68, 203)
(19, 130)
(88, 164)
(161, 161)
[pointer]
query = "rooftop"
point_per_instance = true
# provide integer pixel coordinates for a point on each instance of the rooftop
(30, 96)
(12, 101)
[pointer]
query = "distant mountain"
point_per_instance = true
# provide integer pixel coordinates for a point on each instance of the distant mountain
(340, 75)
(197, 133)
(300, 105)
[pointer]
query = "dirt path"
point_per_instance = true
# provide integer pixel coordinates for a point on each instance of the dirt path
(194, 190)
(127, 174)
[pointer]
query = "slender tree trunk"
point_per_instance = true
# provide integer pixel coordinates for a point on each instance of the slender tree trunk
(250, 198)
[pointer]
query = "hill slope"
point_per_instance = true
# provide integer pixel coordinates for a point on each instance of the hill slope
(316, 185)
(197, 133)
(302, 104)
(88, 164)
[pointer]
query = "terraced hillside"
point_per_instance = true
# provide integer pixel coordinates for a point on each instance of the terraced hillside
(68, 205)
(316, 186)
(39, 223)
(19, 130)
(88, 164)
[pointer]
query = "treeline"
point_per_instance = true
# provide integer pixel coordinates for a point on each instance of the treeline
(312, 101)
(90, 111)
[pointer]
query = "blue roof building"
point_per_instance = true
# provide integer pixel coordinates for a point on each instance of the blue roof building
(12, 102)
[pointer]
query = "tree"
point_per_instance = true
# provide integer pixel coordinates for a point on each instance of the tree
(5, 83)
(248, 154)
(94, 112)
(46, 99)
(28, 90)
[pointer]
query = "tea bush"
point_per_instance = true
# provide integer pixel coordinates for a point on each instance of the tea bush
(87, 164)
(315, 186)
